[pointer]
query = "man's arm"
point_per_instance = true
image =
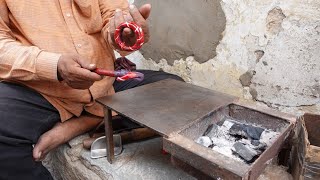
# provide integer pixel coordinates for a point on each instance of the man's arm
(19, 62)
(25, 63)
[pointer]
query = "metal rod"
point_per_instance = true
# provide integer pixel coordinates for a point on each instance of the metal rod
(109, 134)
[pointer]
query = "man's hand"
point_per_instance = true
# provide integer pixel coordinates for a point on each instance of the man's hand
(139, 16)
(76, 71)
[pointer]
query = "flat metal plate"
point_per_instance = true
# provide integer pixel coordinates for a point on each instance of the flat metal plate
(166, 106)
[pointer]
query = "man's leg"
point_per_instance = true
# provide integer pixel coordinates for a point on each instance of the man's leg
(64, 132)
(149, 77)
(24, 116)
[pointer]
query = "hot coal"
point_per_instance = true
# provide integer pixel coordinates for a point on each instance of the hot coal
(242, 142)
(245, 152)
(238, 130)
(246, 131)
(253, 132)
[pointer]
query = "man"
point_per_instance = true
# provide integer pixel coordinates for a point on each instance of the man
(48, 50)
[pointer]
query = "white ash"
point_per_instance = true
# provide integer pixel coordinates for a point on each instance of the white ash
(226, 151)
(204, 141)
(227, 124)
(223, 141)
(219, 139)
(268, 137)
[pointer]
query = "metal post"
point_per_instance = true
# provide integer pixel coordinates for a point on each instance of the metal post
(109, 134)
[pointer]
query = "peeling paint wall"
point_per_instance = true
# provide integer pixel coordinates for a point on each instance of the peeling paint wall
(270, 52)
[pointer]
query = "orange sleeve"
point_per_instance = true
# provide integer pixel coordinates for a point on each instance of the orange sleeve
(20, 62)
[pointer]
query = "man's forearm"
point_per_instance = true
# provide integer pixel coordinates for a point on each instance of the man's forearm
(24, 63)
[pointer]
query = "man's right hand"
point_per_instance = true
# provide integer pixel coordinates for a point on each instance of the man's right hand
(76, 71)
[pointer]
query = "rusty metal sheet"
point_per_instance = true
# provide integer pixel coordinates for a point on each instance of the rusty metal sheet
(312, 122)
(305, 157)
(166, 106)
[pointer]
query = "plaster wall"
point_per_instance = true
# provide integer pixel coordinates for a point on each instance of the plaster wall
(184, 28)
(269, 52)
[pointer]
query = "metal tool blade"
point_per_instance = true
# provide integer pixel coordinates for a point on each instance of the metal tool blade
(99, 146)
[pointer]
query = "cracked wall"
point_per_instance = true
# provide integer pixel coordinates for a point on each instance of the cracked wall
(269, 52)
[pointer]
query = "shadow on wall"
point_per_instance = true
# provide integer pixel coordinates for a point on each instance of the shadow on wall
(184, 28)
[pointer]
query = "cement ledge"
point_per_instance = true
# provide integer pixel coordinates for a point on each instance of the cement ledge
(142, 160)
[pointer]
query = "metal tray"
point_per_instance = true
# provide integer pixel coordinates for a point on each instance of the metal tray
(183, 147)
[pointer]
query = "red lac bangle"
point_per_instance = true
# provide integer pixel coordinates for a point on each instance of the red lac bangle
(138, 32)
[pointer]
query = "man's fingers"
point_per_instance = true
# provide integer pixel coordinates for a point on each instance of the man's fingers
(85, 65)
(127, 32)
(135, 13)
(118, 18)
(112, 26)
(128, 18)
(88, 66)
(85, 74)
(145, 10)
(140, 20)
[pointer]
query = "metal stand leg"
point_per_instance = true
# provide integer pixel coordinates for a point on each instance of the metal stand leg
(109, 134)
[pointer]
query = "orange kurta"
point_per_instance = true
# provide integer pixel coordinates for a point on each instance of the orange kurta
(34, 34)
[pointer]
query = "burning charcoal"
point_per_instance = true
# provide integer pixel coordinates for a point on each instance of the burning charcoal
(212, 131)
(253, 132)
(238, 130)
(244, 152)
(204, 141)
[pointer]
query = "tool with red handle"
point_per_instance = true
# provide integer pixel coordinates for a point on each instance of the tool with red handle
(121, 75)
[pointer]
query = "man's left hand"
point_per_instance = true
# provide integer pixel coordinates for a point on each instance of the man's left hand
(139, 16)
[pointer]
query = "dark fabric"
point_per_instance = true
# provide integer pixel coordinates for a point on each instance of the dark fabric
(24, 116)
(149, 77)
(124, 63)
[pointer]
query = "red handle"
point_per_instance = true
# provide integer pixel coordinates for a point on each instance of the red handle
(121, 75)
(105, 72)
(138, 32)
